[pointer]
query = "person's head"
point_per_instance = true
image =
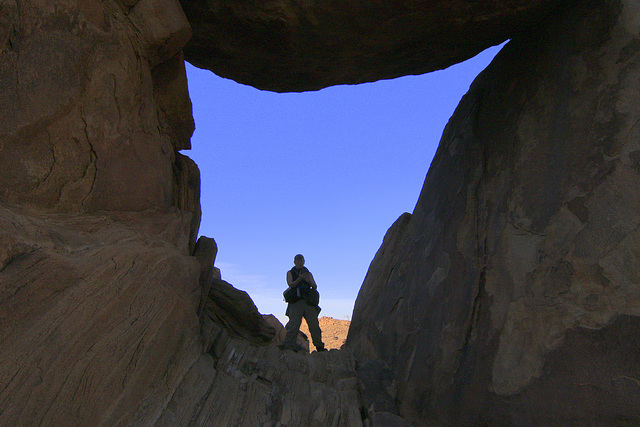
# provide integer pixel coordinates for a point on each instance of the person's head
(298, 260)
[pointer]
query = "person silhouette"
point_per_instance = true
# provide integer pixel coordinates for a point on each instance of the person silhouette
(302, 284)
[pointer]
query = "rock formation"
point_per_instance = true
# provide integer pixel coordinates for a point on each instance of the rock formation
(93, 99)
(510, 295)
(238, 384)
(298, 45)
(110, 313)
(98, 315)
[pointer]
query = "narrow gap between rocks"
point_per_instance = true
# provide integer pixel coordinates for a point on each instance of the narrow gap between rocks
(321, 173)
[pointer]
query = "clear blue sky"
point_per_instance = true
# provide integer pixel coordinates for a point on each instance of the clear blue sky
(321, 173)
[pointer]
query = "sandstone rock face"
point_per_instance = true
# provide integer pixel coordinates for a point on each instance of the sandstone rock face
(510, 295)
(297, 45)
(98, 318)
(93, 103)
(99, 326)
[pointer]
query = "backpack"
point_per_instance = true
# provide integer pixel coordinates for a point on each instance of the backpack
(302, 291)
(291, 295)
(310, 295)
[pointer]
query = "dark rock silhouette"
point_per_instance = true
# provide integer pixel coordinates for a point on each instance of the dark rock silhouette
(296, 45)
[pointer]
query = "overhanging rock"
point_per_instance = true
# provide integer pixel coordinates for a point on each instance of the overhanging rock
(300, 45)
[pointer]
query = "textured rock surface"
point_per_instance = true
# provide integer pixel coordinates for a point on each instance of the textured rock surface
(509, 296)
(99, 325)
(497, 300)
(102, 315)
(237, 384)
(98, 318)
(238, 314)
(296, 45)
(93, 99)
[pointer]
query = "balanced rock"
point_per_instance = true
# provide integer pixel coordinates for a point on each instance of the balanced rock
(298, 45)
(509, 296)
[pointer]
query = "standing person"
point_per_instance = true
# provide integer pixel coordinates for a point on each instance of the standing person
(303, 303)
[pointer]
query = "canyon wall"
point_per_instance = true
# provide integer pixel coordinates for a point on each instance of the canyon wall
(98, 212)
(510, 295)
(110, 312)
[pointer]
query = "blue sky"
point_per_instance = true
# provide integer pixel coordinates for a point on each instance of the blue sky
(321, 173)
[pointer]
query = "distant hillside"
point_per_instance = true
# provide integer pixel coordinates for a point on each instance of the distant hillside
(334, 331)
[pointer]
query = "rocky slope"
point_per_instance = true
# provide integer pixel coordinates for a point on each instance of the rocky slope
(334, 331)
(99, 325)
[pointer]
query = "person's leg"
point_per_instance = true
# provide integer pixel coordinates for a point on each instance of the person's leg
(311, 316)
(295, 312)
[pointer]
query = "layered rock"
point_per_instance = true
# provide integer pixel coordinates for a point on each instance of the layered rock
(510, 295)
(98, 321)
(297, 45)
(102, 315)
(235, 383)
(99, 325)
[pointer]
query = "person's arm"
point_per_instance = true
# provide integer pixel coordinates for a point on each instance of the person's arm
(290, 280)
(311, 280)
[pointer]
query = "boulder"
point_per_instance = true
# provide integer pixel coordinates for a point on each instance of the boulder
(236, 312)
(299, 45)
(497, 299)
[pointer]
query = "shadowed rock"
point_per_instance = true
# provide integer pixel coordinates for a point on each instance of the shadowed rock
(99, 325)
(523, 239)
(298, 45)
(236, 311)
(93, 104)
(98, 315)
